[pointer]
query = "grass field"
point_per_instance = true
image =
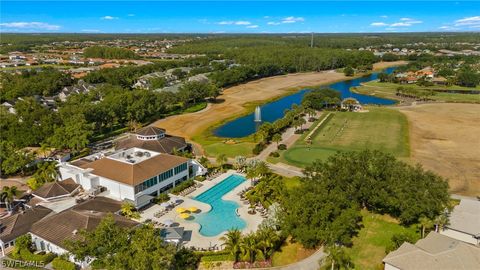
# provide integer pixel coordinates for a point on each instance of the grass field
(380, 128)
(388, 90)
(290, 253)
(369, 245)
(230, 150)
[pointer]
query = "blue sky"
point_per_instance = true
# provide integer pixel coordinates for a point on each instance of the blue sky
(238, 16)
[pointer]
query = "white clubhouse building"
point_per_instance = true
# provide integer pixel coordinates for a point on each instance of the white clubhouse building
(136, 175)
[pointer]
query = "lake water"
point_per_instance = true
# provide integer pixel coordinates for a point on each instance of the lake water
(245, 125)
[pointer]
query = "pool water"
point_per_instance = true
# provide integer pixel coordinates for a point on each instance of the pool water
(222, 217)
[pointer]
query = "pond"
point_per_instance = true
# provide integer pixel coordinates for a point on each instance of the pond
(245, 125)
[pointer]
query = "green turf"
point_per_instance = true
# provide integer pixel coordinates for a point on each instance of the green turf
(388, 90)
(369, 245)
(380, 129)
(230, 150)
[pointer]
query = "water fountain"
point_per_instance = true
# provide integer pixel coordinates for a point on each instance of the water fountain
(258, 114)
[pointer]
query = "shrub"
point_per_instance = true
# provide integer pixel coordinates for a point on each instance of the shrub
(213, 256)
(184, 185)
(27, 255)
(274, 154)
(282, 147)
(61, 264)
(163, 197)
(200, 178)
(258, 148)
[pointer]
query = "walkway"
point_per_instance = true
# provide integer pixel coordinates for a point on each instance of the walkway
(288, 138)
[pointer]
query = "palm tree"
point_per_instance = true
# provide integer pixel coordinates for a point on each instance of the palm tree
(240, 162)
(47, 172)
(267, 238)
(128, 210)
(221, 160)
(262, 168)
(441, 221)
(249, 247)
(425, 223)
(8, 195)
(338, 258)
(251, 173)
(231, 241)
(277, 137)
(43, 150)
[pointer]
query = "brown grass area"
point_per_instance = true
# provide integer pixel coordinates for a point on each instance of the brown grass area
(234, 99)
(382, 65)
(445, 138)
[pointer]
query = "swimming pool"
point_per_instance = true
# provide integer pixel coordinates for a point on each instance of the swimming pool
(222, 217)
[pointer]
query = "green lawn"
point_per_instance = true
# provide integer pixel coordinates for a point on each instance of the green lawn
(381, 129)
(369, 245)
(290, 253)
(230, 150)
(388, 90)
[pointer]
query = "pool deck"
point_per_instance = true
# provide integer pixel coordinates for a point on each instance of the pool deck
(196, 239)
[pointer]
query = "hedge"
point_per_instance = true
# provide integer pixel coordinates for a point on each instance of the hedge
(184, 185)
(61, 264)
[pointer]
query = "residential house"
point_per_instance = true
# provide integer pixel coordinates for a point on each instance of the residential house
(434, 252)
(136, 175)
(80, 88)
(10, 106)
(51, 233)
(19, 224)
(464, 222)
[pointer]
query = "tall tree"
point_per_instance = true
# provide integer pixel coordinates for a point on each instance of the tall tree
(232, 240)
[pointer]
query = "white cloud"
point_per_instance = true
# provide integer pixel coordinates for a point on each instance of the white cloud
(469, 22)
(31, 26)
(234, 23)
(108, 18)
(292, 19)
(378, 24)
(405, 22)
(130, 15)
(252, 26)
(399, 24)
(384, 16)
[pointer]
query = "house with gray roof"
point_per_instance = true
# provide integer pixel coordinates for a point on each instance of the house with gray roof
(19, 224)
(434, 252)
(464, 222)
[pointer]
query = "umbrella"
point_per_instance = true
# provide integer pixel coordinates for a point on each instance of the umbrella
(181, 210)
(184, 215)
(193, 209)
(165, 204)
(168, 222)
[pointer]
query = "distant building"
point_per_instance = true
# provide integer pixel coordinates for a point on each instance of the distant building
(434, 252)
(154, 139)
(464, 222)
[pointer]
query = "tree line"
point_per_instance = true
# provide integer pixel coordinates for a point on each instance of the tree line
(109, 53)
(325, 208)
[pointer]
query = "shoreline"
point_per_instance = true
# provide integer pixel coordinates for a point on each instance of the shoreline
(239, 100)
